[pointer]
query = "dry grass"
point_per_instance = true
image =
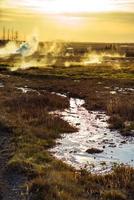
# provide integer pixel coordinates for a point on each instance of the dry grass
(121, 110)
(106, 186)
(31, 112)
(113, 195)
(58, 185)
(123, 106)
(64, 184)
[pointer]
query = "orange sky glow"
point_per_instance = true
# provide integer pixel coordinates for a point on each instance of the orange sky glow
(70, 20)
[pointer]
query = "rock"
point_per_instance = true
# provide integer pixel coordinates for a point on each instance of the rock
(105, 141)
(94, 150)
(112, 145)
(77, 124)
(103, 163)
(73, 151)
(123, 142)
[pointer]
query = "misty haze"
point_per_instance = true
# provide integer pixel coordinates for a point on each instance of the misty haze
(67, 100)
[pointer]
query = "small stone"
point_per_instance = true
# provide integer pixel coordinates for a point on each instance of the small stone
(123, 142)
(94, 150)
(77, 124)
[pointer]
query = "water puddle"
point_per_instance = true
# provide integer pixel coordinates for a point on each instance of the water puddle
(124, 90)
(26, 90)
(93, 132)
(59, 94)
(120, 90)
(1, 85)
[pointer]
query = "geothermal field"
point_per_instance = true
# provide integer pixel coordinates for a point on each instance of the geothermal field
(66, 120)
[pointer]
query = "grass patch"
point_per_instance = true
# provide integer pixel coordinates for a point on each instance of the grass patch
(113, 195)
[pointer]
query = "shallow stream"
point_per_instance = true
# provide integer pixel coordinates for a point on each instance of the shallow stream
(93, 132)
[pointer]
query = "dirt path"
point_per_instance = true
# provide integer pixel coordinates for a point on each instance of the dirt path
(10, 184)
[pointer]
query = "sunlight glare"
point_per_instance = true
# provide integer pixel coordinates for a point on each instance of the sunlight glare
(64, 6)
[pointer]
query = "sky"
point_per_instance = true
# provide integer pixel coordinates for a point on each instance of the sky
(70, 20)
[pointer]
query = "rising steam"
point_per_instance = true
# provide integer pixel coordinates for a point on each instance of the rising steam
(25, 49)
(8, 49)
(32, 54)
(99, 58)
(28, 48)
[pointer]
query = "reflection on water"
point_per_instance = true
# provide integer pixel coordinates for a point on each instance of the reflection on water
(93, 132)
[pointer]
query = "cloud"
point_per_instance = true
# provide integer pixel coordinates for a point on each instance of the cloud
(70, 5)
